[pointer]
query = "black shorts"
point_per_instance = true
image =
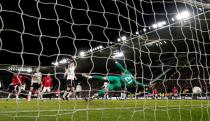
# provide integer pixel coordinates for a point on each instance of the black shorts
(36, 86)
(77, 93)
(11, 88)
(70, 83)
(68, 88)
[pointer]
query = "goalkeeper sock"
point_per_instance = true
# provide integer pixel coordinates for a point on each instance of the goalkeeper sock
(98, 77)
(86, 76)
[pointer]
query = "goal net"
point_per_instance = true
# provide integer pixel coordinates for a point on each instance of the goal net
(104, 60)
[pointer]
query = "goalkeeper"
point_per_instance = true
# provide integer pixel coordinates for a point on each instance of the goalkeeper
(126, 80)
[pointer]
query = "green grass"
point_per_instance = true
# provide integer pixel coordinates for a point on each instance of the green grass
(105, 110)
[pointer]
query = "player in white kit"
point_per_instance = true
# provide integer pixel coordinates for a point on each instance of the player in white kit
(70, 74)
(36, 80)
(70, 77)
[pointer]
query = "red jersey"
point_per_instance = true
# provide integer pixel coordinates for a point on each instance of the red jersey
(47, 81)
(174, 90)
(18, 79)
(154, 91)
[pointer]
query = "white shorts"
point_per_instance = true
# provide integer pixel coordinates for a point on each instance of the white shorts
(46, 89)
(23, 87)
(70, 77)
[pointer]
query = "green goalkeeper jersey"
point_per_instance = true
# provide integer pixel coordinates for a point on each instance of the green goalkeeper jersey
(127, 78)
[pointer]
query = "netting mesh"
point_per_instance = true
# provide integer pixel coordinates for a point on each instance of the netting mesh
(135, 60)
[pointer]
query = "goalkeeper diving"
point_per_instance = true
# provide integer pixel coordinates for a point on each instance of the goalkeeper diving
(125, 80)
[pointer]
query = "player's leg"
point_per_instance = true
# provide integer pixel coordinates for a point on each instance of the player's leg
(103, 92)
(106, 95)
(123, 93)
(57, 93)
(73, 93)
(23, 87)
(11, 90)
(72, 82)
(38, 92)
(49, 92)
(67, 90)
(77, 94)
(10, 93)
(34, 87)
(95, 95)
(42, 92)
(23, 91)
(64, 95)
(30, 92)
(69, 95)
(17, 90)
(99, 94)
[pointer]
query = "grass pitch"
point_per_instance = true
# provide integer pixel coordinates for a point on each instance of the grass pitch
(105, 110)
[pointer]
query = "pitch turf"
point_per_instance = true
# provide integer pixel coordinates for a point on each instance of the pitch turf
(105, 110)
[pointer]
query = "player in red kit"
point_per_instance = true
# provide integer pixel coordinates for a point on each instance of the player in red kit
(155, 93)
(175, 92)
(17, 85)
(47, 84)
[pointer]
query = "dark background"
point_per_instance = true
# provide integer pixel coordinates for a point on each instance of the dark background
(39, 32)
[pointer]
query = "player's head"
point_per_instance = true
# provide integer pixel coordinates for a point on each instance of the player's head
(71, 64)
(16, 75)
(48, 74)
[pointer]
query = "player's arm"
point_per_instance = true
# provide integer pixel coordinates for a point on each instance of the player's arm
(43, 82)
(120, 66)
(15, 81)
(99, 78)
(65, 74)
(51, 84)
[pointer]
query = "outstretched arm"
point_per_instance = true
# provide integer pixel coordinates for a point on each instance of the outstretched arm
(75, 77)
(99, 78)
(65, 73)
(120, 66)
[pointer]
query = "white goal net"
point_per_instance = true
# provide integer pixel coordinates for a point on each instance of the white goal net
(104, 60)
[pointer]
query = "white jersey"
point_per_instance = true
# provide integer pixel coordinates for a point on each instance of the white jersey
(36, 77)
(78, 88)
(71, 73)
